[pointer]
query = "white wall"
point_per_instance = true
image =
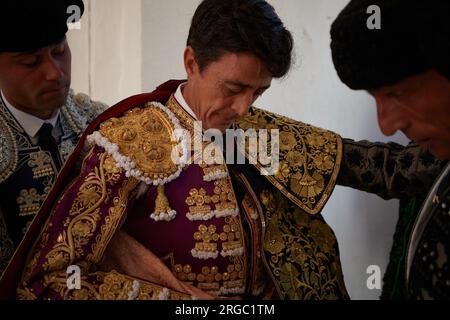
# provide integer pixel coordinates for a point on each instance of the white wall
(107, 50)
(363, 223)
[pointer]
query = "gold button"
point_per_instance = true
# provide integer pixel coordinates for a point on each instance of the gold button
(198, 236)
(214, 269)
(206, 270)
(200, 278)
(191, 276)
(210, 278)
(187, 269)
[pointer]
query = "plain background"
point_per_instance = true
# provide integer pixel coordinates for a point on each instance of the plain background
(125, 47)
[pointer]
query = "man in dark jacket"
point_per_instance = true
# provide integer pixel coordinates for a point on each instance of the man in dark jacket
(403, 62)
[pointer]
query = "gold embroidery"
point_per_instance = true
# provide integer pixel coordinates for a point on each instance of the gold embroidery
(43, 238)
(78, 228)
(309, 158)
(84, 216)
(163, 211)
(42, 164)
(254, 213)
(199, 204)
(301, 252)
(206, 245)
(112, 221)
(112, 171)
(213, 171)
(146, 135)
(225, 195)
(307, 187)
(232, 237)
(107, 286)
(185, 118)
(29, 202)
(232, 280)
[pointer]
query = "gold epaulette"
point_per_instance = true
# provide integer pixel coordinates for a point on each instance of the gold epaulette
(146, 137)
(309, 158)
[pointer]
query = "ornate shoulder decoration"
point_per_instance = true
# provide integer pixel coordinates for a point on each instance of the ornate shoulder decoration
(80, 111)
(149, 144)
(309, 158)
(141, 142)
(8, 150)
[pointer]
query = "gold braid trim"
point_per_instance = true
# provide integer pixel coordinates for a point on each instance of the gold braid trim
(105, 286)
(310, 158)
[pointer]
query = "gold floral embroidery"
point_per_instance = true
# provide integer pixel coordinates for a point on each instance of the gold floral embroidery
(323, 162)
(284, 172)
(309, 158)
(307, 187)
(112, 170)
(322, 235)
(112, 221)
(295, 159)
(185, 118)
(287, 141)
(108, 286)
(300, 251)
(84, 217)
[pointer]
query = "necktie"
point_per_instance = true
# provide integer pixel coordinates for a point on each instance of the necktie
(48, 143)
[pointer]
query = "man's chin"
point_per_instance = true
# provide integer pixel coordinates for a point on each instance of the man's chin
(222, 127)
(53, 102)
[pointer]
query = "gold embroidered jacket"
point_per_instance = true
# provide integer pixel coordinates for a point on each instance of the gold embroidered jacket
(224, 229)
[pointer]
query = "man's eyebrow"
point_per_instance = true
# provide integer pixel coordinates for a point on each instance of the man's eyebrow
(23, 53)
(243, 85)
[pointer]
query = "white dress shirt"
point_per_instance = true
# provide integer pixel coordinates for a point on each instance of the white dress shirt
(32, 124)
(180, 99)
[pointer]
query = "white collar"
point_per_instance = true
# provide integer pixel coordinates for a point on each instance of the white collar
(182, 102)
(29, 123)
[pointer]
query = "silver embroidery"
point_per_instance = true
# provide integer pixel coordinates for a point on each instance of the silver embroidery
(66, 148)
(77, 113)
(8, 150)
